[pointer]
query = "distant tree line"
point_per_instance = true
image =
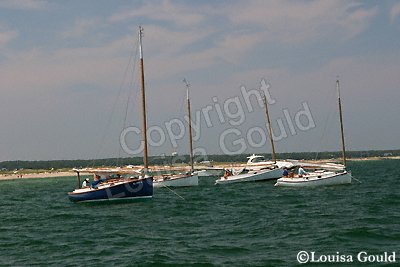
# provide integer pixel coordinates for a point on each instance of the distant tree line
(170, 160)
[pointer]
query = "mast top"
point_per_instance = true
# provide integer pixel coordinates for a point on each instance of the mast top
(264, 98)
(338, 87)
(141, 30)
(187, 88)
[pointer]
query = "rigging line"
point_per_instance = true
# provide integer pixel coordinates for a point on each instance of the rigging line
(173, 191)
(182, 115)
(132, 86)
(134, 83)
(326, 123)
(182, 111)
(133, 94)
(181, 101)
(356, 179)
(113, 108)
(132, 97)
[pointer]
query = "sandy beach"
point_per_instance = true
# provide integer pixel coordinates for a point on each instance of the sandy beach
(36, 175)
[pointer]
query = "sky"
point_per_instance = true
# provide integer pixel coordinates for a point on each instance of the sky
(69, 76)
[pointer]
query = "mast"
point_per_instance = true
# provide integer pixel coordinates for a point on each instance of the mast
(190, 126)
(144, 123)
(79, 180)
(269, 129)
(341, 123)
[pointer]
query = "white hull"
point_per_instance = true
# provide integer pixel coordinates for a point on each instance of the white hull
(209, 172)
(181, 181)
(256, 162)
(251, 176)
(316, 179)
(326, 166)
(259, 165)
(203, 173)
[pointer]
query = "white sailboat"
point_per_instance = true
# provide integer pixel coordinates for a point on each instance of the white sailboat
(256, 172)
(317, 178)
(332, 174)
(182, 180)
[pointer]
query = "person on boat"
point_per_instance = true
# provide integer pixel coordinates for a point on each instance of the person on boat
(291, 174)
(285, 172)
(86, 183)
(227, 173)
(301, 172)
(96, 181)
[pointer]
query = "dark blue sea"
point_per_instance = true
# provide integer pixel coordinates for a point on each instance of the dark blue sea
(249, 224)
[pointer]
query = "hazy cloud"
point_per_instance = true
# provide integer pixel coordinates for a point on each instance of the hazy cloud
(23, 4)
(6, 36)
(301, 21)
(40, 70)
(162, 11)
(394, 11)
(81, 27)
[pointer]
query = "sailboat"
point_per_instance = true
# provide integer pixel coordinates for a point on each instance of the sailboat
(119, 183)
(327, 176)
(190, 178)
(256, 162)
(262, 172)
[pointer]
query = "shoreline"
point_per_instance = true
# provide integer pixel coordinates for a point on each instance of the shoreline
(17, 176)
(21, 176)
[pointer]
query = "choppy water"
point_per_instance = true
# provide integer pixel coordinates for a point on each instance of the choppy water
(250, 224)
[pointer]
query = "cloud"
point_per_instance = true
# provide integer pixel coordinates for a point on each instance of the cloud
(81, 27)
(300, 21)
(164, 11)
(394, 11)
(43, 71)
(354, 22)
(242, 27)
(24, 4)
(6, 36)
(195, 45)
(168, 52)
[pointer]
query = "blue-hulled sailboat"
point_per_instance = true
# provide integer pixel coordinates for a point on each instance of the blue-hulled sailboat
(120, 183)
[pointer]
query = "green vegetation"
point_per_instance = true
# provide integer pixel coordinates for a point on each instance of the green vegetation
(46, 166)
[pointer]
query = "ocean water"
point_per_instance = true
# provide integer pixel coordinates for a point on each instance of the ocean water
(249, 224)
